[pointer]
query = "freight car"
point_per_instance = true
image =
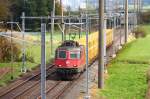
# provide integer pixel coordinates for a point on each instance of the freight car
(70, 55)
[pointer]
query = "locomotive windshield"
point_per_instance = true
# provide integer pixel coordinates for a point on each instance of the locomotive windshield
(75, 55)
(61, 54)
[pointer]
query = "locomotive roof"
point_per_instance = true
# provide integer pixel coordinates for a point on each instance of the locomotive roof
(70, 43)
(69, 48)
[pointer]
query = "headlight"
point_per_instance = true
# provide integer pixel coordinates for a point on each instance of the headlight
(74, 65)
(59, 65)
(67, 62)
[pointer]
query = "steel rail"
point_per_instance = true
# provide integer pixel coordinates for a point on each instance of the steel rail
(22, 83)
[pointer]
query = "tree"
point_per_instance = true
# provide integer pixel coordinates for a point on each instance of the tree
(57, 6)
(32, 8)
(42, 8)
(4, 9)
(16, 8)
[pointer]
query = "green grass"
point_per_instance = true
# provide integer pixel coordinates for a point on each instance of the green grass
(137, 51)
(126, 81)
(16, 71)
(127, 73)
(35, 52)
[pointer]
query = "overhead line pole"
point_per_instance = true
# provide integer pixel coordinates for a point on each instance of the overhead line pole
(69, 20)
(101, 46)
(140, 5)
(135, 19)
(139, 1)
(134, 7)
(52, 26)
(80, 31)
(138, 10)
(23, 69)
(137, 5)
(62, 20)
(126, 21)
(43, 61)
(87, 54)
(12, 58)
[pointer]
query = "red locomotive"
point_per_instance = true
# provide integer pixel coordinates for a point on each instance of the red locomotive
(70, 55)
(70, 58)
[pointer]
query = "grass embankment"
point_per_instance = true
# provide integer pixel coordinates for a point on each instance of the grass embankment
(33, 51)
(127, 73)
(146, 28)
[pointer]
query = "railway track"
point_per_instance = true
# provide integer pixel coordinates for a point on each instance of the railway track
(58, 89)
(30, 88)
(24, 85)
(63, 87)
(35, 90)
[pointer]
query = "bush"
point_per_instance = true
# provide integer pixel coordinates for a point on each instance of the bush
(145, 17)
(29, 57)
(6, 51)
(139, 32)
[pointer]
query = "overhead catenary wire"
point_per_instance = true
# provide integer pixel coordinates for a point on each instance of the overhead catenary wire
(60, 17)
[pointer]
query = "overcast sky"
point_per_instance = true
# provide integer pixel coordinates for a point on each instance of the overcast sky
(75, 4)
(72, 3)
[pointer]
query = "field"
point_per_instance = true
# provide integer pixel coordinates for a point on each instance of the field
(127, 73)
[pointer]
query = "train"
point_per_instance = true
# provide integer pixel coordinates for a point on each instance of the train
(70, 57)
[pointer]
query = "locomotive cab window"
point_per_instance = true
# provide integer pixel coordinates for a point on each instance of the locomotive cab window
(61, 54)
(75, 55)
